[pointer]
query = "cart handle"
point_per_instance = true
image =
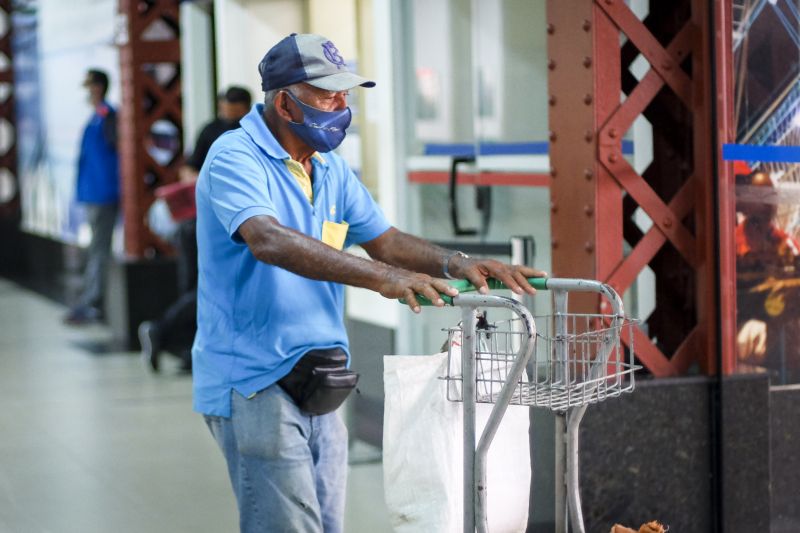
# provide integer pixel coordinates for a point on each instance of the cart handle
(464, 285)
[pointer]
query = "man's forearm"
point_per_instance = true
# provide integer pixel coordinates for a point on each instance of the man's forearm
(274, 244)
(284, 247)
(412, 253)
(409, 252)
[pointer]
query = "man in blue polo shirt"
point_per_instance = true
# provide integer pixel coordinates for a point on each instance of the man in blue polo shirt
(98, 191)
(275, 208)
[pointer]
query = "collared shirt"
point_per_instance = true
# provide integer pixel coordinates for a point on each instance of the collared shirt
(98, 164)
(255, 320)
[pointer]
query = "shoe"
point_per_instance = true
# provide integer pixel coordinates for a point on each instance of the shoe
(82, 315)
(148, 338)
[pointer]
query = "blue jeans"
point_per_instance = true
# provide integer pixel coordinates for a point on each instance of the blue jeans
(288, 469)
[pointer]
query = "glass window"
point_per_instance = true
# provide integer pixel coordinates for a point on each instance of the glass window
(767, 112)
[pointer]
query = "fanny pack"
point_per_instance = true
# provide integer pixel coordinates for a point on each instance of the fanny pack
(320, 381)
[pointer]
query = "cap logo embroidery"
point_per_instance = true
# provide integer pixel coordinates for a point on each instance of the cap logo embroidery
(332, 54)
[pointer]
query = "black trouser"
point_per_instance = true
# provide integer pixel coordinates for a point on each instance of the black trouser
(177, 326)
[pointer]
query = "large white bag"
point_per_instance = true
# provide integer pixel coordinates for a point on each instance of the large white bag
(423, 455)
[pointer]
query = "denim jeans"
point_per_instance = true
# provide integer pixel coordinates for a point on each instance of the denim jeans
(288, 469)
(102, 218)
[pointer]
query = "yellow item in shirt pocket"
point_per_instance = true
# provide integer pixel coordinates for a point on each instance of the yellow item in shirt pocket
(334, 233)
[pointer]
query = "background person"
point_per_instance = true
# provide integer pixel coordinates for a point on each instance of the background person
(232, 105)
(98, 191)
(174, 330)
(275, 208)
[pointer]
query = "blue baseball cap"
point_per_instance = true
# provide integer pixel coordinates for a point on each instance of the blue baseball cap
(308, 58)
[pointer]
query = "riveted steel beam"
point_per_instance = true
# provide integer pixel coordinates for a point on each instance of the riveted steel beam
(147, 99)
(592, 180)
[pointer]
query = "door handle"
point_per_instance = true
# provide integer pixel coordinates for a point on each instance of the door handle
(457, 229)
(483, 201)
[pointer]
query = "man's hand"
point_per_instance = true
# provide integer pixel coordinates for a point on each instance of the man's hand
(751, 342)
(399, 283)
(408, 252)
(477, 270)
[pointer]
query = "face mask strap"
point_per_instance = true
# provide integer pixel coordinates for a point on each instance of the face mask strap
(302, 103)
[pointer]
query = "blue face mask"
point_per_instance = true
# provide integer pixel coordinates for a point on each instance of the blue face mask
(321, 130)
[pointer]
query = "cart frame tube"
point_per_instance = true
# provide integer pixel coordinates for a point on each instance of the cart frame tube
(475, 458)
(468, 317)
(567, 466)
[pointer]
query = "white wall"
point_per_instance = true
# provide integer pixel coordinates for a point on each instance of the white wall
(336, 21)
(245, 30)
(197, 74)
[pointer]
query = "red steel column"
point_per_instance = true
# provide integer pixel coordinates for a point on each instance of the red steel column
(726, 200)
(574, 169)
(9, 201)
(151, 88)
(593, 182)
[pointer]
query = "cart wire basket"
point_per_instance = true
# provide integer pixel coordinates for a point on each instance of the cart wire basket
(563, 362)
(578, 359)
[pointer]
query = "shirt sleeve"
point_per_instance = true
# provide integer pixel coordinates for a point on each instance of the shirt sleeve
(238, 189)
(364, 216)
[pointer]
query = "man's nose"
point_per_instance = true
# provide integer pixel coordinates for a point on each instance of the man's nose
(340, 101)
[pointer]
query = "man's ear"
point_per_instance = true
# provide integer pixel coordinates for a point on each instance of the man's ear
(282, 106)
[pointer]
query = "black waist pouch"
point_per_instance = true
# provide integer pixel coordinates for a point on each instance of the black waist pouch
(320, 381)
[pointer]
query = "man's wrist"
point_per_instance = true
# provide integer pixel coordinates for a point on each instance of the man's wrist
(446, 270)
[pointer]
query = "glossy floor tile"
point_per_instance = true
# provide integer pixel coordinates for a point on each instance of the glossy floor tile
(94, 442)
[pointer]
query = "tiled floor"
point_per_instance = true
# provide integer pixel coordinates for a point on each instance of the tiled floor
(95, 443)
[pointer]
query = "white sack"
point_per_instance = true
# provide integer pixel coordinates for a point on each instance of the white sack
(423, 456)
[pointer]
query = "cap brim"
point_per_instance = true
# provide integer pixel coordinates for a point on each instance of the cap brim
(341, 81)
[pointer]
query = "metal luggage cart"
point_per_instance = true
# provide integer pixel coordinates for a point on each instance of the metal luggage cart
(570, 362)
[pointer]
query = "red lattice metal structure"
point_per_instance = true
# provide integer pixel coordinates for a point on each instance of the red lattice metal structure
(9, 206)
(594, 100)
(151, 106)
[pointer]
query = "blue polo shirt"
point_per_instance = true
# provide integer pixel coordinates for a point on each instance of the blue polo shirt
(98, 164)
(254, 321)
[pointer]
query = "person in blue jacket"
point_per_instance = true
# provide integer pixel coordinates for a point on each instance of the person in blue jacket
(275, 209)
(98, 191)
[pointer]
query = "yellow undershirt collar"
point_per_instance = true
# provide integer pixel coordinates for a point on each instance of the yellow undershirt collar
(297, 170)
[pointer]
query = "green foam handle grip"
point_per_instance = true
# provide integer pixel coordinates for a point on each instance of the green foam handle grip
(463, 285)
